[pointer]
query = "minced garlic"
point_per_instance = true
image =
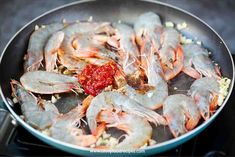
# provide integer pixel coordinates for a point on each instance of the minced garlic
(223, 92)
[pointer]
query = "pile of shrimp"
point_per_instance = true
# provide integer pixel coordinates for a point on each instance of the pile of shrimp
(148, 56)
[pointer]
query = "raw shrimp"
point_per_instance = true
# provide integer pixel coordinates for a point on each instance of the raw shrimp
(148, 34)
(152, 98)
(70, 62)
(44, 82)
(127, 49)
(148, 28)
(198, 57)
(66, 128)
(148, 25)
(138, 129)
(50, 51)
(36, 45)
(115, 100)
(205, 92)
(76, 30)
(171, 54)
(96, 61)
(40, 114)
(86, 47)
(181, 113)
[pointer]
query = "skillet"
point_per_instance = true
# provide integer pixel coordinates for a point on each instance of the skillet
(11, 62)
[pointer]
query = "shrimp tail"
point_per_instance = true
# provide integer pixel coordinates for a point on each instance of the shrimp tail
(178, 65)
(203, 107)
(99, 130)
(173, 126)
(191, 72)
(192, 121)
(214, 102)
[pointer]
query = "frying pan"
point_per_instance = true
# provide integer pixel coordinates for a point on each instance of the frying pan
(11, 63)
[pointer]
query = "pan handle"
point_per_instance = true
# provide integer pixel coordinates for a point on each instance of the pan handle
(7, 125)
(2, 106)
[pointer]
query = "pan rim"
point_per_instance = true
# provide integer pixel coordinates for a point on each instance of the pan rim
(189, 134)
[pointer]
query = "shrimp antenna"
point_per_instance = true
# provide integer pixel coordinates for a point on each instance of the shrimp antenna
(84, 121)
(74, 91)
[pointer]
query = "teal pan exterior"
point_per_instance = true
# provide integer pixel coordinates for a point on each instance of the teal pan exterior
(161, 147)
(112, 11)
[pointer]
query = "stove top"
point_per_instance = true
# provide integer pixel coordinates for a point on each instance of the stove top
(218, 139)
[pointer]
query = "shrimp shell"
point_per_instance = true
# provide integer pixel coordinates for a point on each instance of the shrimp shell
(205, 91)
(148, 24)
(138, 129)
(115, 100)
(52, 45)
(181, 113)
(154, 98)
(128, 49)
(36, 45)
(76, 29)
(40, 114)
(199, 57)
(44, 82)
(65, 129)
